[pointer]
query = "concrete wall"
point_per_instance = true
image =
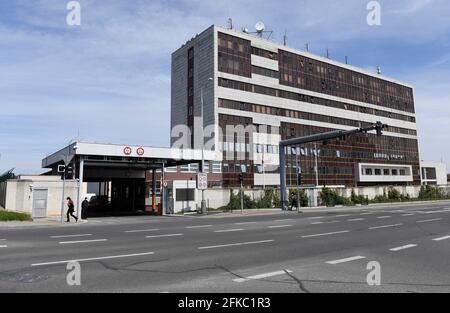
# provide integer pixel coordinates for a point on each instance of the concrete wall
(19, 194)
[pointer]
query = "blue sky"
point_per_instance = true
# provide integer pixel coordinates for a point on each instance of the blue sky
(109, 79)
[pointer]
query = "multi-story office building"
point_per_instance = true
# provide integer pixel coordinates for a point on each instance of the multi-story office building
(276, 93)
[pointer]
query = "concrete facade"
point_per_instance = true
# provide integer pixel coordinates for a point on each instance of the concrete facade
(20, 194)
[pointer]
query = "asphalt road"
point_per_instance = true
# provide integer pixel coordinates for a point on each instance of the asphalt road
(326, 251)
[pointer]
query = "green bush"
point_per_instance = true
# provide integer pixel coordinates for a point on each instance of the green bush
(235, 202)
(331, 198)
(14, 216)
(431, 193)
(354, 199)
(267, 200)
(304, 200)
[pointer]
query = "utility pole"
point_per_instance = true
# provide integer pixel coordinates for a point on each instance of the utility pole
(299, 180)
(316, 164)
(241, 181)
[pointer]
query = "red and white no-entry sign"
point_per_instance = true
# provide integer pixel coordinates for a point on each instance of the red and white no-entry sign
(140, 151)
(127, 150)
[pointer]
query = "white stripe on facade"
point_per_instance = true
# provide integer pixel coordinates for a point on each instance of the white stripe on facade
(305, 122)
(273, 83)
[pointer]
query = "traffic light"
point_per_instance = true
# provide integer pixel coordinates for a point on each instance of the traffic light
(69, 171)
(380, 126)
(299, 179)
(241, 178)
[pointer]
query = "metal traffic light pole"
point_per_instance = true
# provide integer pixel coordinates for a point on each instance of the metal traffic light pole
(342, 134)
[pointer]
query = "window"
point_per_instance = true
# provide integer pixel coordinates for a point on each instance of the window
(171, 169)
(378, 171)
(185, 194)
(368, 171)
(206, 169)
(386, 172)
(403, 172)
(216, 167)
(395, 172)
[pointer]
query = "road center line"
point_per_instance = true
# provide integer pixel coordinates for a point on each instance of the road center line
(383, 217)
(320, 223)
(386, 226)
(354, 258)
(366, 214)
(96, 259)
(343, 215)
(81, 241)
(280, 226)
(167, 235)
(198, 226)
(403, 248)
(261, 276)
(244, 223)
(409, 214)
(326, 234)
(71, 236)
(142, 230)
(441, 238)
(285, 220)
(237, 244)
(228, 230)
(356, 220)
(428, 221)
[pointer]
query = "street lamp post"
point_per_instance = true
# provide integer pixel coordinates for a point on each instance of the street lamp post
(203, 204)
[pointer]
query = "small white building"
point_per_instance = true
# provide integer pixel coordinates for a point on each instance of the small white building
(433, 173)
(39, 196)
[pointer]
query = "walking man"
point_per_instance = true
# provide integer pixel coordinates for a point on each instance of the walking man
(84, 209)
(71, 210)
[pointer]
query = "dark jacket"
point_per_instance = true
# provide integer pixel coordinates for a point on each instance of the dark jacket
(85, 204)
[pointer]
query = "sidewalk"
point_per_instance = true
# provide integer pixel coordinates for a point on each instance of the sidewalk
(44, 222)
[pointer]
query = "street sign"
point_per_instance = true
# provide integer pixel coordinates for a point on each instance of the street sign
(127, 150)
(61, 168)
(202, 181)
(140, 151)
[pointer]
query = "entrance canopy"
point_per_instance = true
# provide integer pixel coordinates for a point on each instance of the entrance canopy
(118, 172)
(125, 156)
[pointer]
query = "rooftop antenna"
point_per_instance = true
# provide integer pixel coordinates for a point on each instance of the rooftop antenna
(346, 59)
(260, 28)
(378, 70)
(245, 30)
(285, 38)
(328, 53)
(230, 23)
(307, 47)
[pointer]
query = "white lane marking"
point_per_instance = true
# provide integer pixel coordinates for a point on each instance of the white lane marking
(317, 217)
(409, 214)
(2, 239)
(198, 226)
(141, 230)
(343, 215)
(228, 230)
(280, 226)
(434, 212)
(261, 276)
(71, 236)
(428, 221)
(403, 248)
(320, 223)
(81, 241)
(441, 238)
(354, 258)
(237, 244)
(96, 259)
(386, 226)
(285, 220)
(4, 246)
(367, 214)
(167, 235)
(326, 234)
(383, 217)
(356, 220)
(245, 223)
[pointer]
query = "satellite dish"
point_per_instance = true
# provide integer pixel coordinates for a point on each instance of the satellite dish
(260, 27)
(245, 30)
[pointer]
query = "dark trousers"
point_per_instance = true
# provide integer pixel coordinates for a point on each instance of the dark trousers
(69, 214)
